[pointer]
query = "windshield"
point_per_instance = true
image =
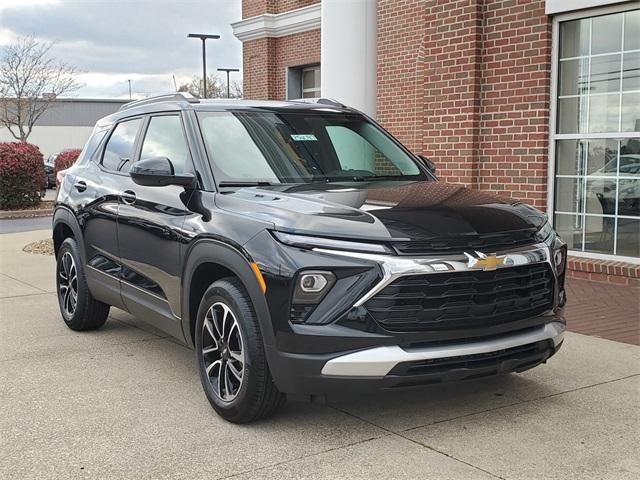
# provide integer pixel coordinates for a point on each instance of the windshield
(284, 147)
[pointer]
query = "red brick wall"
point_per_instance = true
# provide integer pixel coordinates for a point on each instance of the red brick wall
(251, 8)
(265, 62)
(466, 83)
(516, 75)
(400, 76)
(258, 70)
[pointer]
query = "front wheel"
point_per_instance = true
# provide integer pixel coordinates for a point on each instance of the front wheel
(230, 354)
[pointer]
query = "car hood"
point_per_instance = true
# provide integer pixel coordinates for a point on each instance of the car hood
(387, 211)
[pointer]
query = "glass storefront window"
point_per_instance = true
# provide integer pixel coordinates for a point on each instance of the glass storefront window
(597, 137)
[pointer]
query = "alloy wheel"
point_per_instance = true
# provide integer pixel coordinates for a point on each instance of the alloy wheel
(68, 284)
(222, 351)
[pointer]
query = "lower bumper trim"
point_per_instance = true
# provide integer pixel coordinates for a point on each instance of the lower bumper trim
(379, 361)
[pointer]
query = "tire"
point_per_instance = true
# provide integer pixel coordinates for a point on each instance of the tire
(235, 346)
(80, 311)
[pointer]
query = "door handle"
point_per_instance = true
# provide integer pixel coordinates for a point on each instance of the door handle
(128, 197)
(80, 185)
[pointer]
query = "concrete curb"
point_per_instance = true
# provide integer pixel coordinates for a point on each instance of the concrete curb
(13, 214)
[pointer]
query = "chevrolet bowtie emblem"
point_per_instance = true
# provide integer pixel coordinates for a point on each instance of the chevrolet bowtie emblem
(486, 262)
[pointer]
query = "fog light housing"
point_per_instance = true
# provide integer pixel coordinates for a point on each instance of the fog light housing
(312, 282)
(560, 259)
(312, 286)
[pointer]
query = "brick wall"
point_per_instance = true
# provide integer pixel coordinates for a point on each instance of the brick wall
(251, 8)
(516, 76)
(265, 62)
(400, 76)
(466, 83)
(258, 69)
(606, 271)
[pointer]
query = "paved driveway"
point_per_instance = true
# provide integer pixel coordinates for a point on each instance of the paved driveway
(125, 402)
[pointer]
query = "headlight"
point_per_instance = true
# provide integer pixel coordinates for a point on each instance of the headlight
(305, 241)
(545, 232)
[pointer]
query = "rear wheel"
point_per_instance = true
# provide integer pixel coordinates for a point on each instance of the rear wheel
(230, 354)
(80, 311)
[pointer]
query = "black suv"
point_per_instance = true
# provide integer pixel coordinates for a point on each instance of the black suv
(302, 251)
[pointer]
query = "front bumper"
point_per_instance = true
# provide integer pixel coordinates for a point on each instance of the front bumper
(341, 348)
(392, 366)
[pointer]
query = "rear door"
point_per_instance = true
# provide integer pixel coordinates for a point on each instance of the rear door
(150, 221)
(97, 189)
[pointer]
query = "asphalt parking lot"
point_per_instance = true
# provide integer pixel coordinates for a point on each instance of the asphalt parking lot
(126, 402)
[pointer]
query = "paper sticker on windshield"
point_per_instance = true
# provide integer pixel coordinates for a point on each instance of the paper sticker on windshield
(308, 137)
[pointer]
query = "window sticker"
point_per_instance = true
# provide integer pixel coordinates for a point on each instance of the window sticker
(306, 137)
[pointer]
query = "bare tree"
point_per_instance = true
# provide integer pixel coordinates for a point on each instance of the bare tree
(236, 89)
(30, 81)
(216, 87)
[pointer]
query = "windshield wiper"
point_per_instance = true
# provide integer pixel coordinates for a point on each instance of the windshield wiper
(245, 184)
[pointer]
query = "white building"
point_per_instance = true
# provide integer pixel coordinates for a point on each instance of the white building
(67, 124)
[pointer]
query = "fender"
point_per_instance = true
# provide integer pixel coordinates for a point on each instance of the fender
(63, 215)
(209, 250)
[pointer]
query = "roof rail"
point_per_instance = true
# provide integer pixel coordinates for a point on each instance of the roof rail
(170, 97)
(321, 100)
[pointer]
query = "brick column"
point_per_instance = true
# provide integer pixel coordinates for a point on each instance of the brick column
(259, 68)
(452, 46)
(516, 76)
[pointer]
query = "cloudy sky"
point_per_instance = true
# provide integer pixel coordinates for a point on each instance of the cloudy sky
(112, 41)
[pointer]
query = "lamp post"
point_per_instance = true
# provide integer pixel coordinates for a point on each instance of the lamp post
(204, 37)
(228, 70)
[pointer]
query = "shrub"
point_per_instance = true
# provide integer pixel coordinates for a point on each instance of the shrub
(66, 159)
(22, 176)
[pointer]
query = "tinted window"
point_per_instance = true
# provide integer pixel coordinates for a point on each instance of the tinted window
(165, 138)
(90, 149)
(292, 147)
(119, 149)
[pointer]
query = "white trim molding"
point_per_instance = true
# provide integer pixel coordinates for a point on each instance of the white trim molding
(274, 25)
(553, 7)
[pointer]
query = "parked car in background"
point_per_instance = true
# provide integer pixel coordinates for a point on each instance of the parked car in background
(50, 170)
(50, 164)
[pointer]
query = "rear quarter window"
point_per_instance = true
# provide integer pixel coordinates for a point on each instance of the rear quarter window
(118, 152)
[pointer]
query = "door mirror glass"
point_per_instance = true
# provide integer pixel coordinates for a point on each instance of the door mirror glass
(159, 172)
(428, 163)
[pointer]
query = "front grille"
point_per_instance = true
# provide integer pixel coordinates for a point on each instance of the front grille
(463, 300)
(493, 242)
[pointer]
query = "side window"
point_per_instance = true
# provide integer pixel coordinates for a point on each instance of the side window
(119, 149)
(90, 150)
(165, 138)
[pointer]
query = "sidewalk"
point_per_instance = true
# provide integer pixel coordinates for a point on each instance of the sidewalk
(126, 402)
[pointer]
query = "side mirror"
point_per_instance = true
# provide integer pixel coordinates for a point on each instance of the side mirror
(428, 163)
(159, 172)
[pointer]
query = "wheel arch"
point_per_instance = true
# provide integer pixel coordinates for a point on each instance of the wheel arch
(65, 224)
(208, 260)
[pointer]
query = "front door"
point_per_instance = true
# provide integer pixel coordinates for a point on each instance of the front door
(150, 221)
